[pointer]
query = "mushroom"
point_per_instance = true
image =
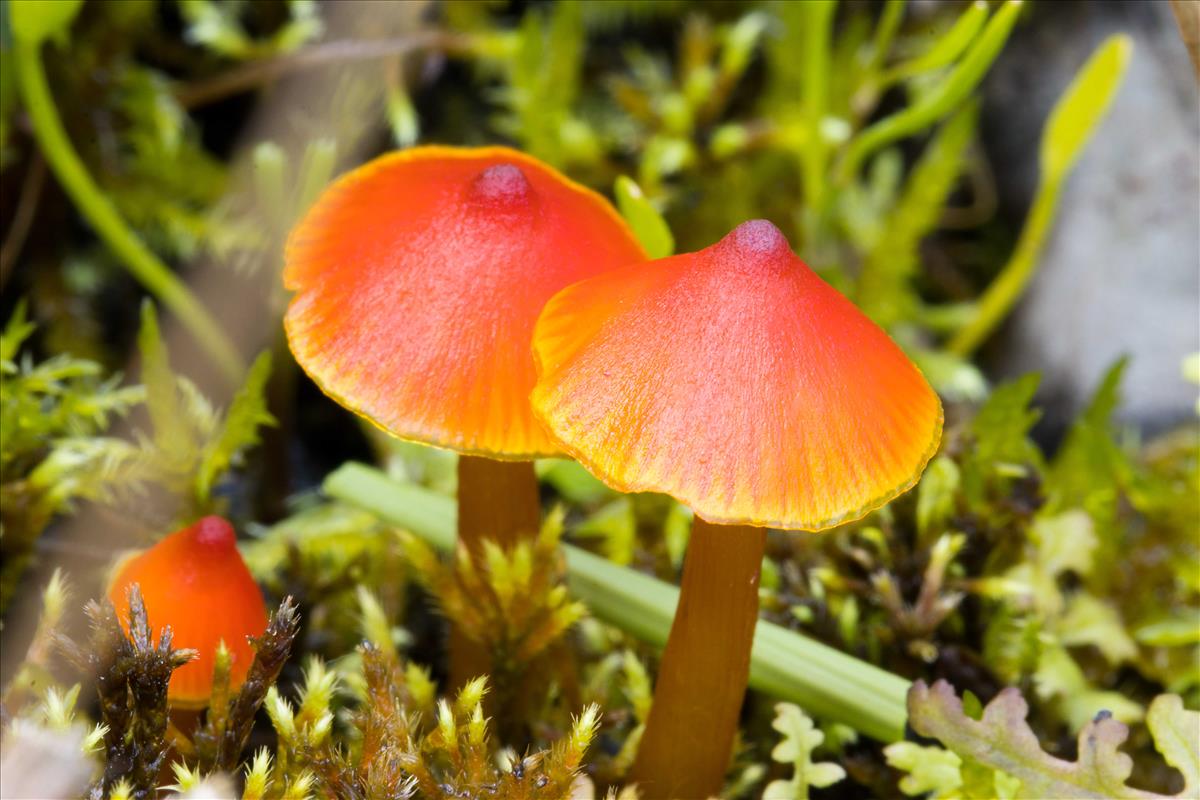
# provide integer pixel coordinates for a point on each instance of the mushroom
(418, 278)
(737, 381)
(196, 582)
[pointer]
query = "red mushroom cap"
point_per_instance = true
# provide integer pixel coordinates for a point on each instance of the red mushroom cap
(196, 582)
(418, 279)
(737, 381)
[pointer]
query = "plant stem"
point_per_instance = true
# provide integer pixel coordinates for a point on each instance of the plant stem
(497, 501)
(89, 198)
(688, 740)
(783, 664)
(1004, 292)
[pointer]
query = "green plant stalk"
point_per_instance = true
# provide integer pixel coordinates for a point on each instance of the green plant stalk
(783, 664)
(1072, 122)
(1006, 289)
(885, 31)
(940, 100)
(815, 152)
(946, 49)
(90, 200)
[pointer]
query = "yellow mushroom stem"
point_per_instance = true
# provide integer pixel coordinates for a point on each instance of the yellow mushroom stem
(497, 501)
(686, 748)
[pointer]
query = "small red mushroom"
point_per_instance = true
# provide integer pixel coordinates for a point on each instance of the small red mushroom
(418, 278)
(196, 582)
(737, 381)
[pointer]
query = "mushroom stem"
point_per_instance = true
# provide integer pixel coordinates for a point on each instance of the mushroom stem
(497, 501)
(686, 747)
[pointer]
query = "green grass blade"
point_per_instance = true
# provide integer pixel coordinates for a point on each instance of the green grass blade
(783, 663)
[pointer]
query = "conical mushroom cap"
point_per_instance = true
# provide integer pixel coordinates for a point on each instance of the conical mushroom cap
(418, 279)
(737, 381)
(196, 582)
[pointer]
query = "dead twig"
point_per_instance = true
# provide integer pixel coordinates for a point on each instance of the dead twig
(27, 202)
(1187, 14)
(257, 73)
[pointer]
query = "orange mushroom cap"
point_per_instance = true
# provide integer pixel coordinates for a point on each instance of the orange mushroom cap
(418, 279)
(737, 381)
(196, 582)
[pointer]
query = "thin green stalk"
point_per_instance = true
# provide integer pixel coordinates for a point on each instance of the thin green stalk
(1006, 289)
(885, 31)
(940, 100)
(1069, 128)
(96, 208)
(783, 664)
(818, 27)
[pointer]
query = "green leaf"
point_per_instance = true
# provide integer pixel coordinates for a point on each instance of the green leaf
(16, 331)
(1003, 740)
(948, 47)
(942, 98)
(572, 481)
(168, 419)
(1000, 433)
(953, 377)
(740, 42)
(885, 292)
(648, 225)
(1065, 542)
(930, 770)
(616, 526)
(246, 414)
(1090, 466)
(1082, 106)
(1089, 620)
(1061, 684)
(216, 26)
(1176, 733)
(800, 739)
(1069, 128)
(34, 21)
(1179, 630)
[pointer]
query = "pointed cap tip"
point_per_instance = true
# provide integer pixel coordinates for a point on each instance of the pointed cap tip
(501, 184)
(214, 531)
(757, 237)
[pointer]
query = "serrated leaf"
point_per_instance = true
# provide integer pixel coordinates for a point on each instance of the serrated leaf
(1090, 466)
(247, 413)
(1003, 740)
(930, 770)
(163, 403)
(1000, 433)
(1176, 733)
(800, 738)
